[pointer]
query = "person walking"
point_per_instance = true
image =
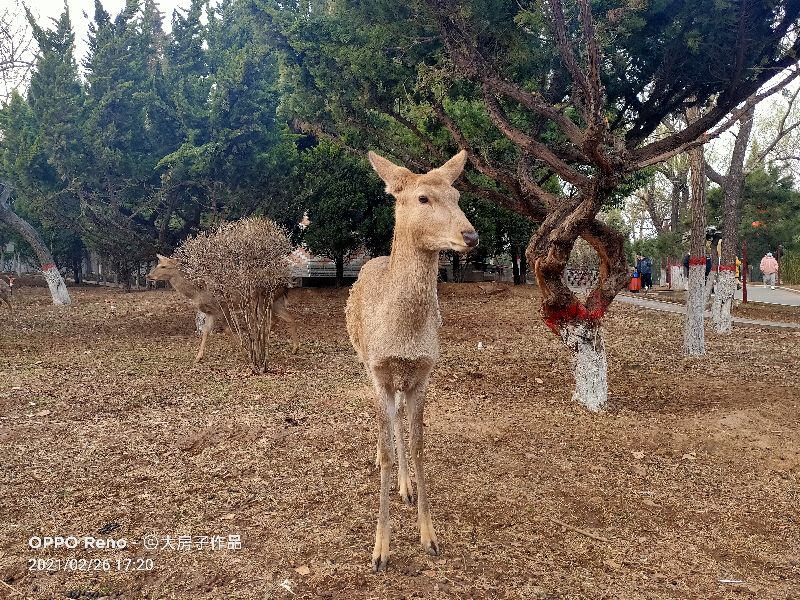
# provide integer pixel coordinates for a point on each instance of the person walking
(769, 268)
(645, 267)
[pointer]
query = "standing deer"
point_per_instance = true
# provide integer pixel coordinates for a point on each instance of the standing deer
(393, 321)
(168, 269)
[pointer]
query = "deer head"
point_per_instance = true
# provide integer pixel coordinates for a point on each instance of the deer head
(426, 208)
(165, 270)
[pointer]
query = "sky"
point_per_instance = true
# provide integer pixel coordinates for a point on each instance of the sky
(45, 9)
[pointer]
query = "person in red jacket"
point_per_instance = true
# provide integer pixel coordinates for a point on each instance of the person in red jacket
(769, 267)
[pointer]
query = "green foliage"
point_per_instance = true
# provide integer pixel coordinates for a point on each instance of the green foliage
(790, 268)
(346, 204)
(770, 200)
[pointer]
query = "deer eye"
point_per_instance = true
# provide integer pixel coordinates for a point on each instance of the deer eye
(423, 199)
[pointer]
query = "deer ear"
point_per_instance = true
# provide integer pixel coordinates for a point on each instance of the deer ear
(161, 258)
(395, 177)
(452, 169)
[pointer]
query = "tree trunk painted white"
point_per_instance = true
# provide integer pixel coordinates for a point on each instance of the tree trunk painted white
(694, 342)
(589, 364)
(58, 289)
(677, 279)
(723, 300)
(55, 282)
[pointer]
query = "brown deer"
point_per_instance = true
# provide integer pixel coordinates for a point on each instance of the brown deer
(168, 269)
(393, 321)
(6, 290)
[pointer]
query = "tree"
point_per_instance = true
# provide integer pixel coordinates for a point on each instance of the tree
(732, 184)
(342, 198)
(694, 343)
(572, 93)
(123, 131)
(237, 157)
(58, 290)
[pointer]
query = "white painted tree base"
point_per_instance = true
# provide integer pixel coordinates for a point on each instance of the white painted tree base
(723, 300)
(677, 278)
(58, 289)
(589, 363)
(694, 340)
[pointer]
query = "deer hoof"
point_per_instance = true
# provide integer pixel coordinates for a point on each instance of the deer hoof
(407, 497)
(432, 548)
(379, 563)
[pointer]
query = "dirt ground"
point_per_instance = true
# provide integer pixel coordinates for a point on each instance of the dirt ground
(686, 486)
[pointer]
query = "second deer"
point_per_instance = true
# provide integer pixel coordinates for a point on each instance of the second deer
(168, 269)
(393, 321)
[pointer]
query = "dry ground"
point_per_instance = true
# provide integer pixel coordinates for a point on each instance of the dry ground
(106, 429)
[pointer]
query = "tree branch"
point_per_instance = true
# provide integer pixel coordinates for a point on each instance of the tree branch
(530, 145)
(693, 134)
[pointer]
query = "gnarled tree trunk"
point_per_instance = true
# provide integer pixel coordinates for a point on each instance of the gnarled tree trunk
(579, 324)
(58, 289)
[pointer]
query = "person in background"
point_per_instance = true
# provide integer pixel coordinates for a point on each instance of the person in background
(686, 266)
(738, 273)
(645, 267)
(769, 267)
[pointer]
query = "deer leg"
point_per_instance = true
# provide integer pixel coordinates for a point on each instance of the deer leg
(279, 310)
(385, 408)
(208, 326)
(415, 398)
(403, 479)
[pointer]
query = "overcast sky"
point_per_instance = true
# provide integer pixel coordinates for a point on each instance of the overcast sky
(46, 9)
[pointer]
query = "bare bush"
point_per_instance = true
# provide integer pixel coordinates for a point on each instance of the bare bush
(243, 264)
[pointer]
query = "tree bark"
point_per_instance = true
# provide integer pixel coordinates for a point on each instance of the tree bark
(515, 265)
(339, 271)
(579, 324)
(58, 289)
(732, 203)
(694, 326)
(589, 363)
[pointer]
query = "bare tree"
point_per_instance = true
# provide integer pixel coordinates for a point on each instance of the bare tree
(16, 50)
(782, 127)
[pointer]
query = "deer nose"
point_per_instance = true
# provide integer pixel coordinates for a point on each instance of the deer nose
(470, 238)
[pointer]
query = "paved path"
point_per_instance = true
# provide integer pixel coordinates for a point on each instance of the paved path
(681, 309)
(758, 293)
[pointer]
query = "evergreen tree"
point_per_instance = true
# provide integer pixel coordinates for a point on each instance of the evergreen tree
(345, 203)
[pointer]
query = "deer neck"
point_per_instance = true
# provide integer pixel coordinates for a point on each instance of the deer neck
(412, 277)
(183, 286)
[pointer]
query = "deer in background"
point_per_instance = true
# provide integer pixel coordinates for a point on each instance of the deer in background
(6, 291)
(168, 269)
(393, 321)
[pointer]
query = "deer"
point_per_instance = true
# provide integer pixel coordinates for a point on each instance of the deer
(393, 322)
(168, 269)
(6, 291)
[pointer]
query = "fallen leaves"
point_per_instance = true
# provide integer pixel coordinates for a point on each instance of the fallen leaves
(145, 439)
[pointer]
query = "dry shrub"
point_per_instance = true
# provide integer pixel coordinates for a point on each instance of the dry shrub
(243, 264)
